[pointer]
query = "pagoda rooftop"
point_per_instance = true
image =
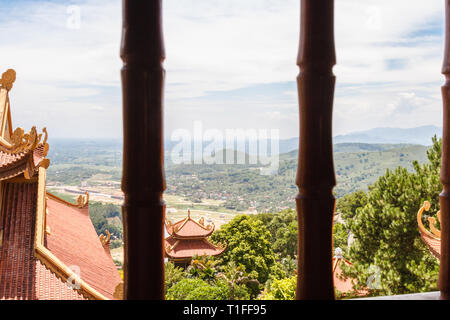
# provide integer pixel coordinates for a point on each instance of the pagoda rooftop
(186, 249)
(188, 228)
(188, 238)
(49, 248)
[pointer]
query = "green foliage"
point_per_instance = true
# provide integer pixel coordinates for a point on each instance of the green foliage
(197, 289)
(203, 267)
(283, 229)
(172, 275)
(340, 237)
(236, 279)
(347, 205)
(387, 244)
(282, 289)
(248, 245)
(242, 186)
(106, 217)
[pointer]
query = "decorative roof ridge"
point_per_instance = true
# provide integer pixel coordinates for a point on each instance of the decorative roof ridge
(219, 246)
(170, 248)
(82, 201)
(210, 227)
(46, 257)
(22, 142)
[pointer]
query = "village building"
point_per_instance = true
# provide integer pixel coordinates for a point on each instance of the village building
(188, 238)
(49, 248)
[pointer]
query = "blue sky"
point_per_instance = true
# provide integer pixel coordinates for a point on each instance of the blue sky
(230, 64)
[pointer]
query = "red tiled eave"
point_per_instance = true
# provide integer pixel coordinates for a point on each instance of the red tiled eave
(14, 164)
(433, 244)
(74, 241)
(187, 248)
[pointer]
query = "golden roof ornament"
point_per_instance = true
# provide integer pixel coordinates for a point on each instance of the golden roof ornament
(435, 233)
(105, 239)
(24, 142)
(82, 200)
(8, 78)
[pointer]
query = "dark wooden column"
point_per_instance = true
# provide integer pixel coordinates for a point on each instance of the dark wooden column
(315, 175)
(143, 182)
(444, 197)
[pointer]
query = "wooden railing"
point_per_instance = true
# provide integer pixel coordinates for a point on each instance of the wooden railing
(143, 176)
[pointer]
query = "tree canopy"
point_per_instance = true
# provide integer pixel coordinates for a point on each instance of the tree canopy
(388, 255)
(248, 245)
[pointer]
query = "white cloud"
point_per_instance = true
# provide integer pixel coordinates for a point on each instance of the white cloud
(384, 49)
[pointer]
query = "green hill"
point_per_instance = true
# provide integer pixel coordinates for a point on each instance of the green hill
(238, 186)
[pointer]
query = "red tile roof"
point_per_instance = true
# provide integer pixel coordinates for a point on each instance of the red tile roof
(72, 240)
(188, 228)
(22, 276)
(344, 285)
(188, 238)
(186, 249)
(13, 164)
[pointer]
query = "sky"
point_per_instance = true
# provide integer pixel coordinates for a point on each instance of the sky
(230, 64)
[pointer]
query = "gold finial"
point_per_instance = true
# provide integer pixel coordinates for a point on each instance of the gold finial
(8, 78)
(105, 239)
(83, 200)
(189, 213)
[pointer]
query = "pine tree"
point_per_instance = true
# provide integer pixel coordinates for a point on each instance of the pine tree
(388, 254)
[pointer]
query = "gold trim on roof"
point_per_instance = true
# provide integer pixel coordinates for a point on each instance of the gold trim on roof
(24, 142)
(47, 258)
(81, 200)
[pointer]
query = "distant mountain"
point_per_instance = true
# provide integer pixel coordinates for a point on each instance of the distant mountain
(418, 135)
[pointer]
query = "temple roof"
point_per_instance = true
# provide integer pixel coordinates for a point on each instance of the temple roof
(188, 238)
(187, 228)
(70, 241)
(22, 275)
(49, 248)
(187, 248)
(343, 285)
(74, 241)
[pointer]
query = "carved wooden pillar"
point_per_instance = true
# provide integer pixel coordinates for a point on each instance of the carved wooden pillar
(444, 197)
(315, 174)
(143, 183)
